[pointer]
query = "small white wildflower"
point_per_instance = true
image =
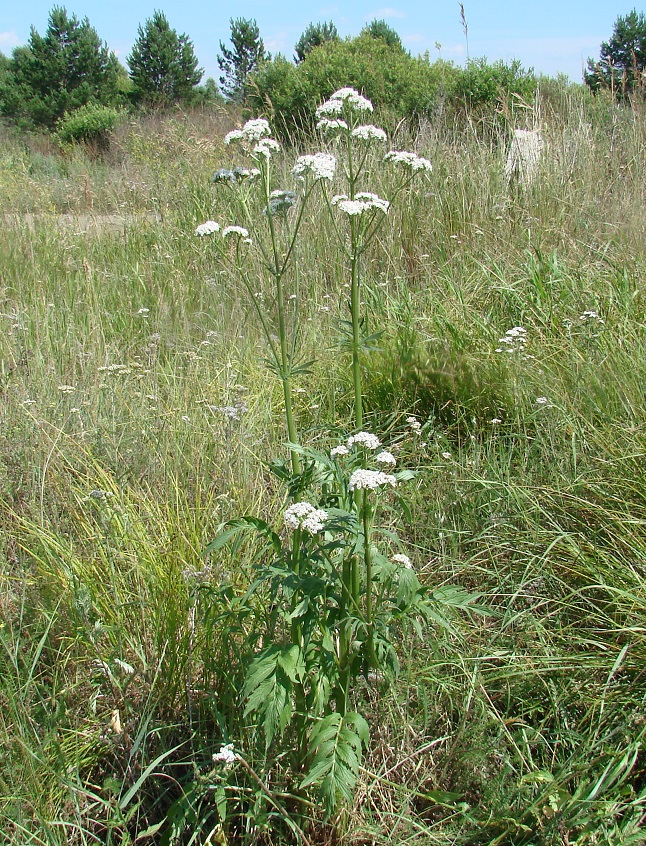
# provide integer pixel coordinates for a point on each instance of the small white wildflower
(414, 424)
(304, 515)
(256, 129)
(371, 480)
(369, 132)
(330, 107)
(66, 389)
(400, 558)
(386, 457)
(266, 147)
(235, 230)
(319, 165)
(207, 228)
(366, 439)
(541, 400)
(352, 98)
(496, 420)
(363, 202)
(331, 128)
(234, 135)
(446, 456)
(144, 312)
(339, 450)
(226, 755)
(411, 161)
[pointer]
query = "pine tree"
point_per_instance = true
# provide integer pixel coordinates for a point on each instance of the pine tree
(247, 55)
(622, 63)
(163, 66)
(314, 36)
(380, 29)
(66, 68)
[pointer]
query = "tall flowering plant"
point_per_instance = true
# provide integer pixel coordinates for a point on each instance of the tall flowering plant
(339, 587)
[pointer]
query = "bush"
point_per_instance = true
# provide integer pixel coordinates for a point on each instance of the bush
(399, 85)
(482, 84)
(90, 124)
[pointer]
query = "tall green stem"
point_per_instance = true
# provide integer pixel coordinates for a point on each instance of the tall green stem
(356, 332)
(367, 514)
(285, 364)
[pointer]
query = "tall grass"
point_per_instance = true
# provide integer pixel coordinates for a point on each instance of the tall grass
(118, 351)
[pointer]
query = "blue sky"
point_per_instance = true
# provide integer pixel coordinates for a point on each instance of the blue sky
(551, 36)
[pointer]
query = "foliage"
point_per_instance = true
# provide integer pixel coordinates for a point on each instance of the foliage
(91, 124)
(622, 63)
(56, 73)
(163, 65)
(247, 55)
(483, 84)
(136, 417)
(315, 35)
(401, 86)
(380, 29)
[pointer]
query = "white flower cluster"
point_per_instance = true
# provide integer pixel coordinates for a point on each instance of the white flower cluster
(339, 450)
(266, 147)
(319, 165)
(252, 131)
(385, 457)
(368, 133)
(371, 480)
(411, 161)
(366, 439)
(207, 228)
(513, 340)
(303, 515)
(344, 99)
(332, 128)
(226, 755)
(591, 315)
(400, 558)
(364, 201)
(235, 230)
(414, 424)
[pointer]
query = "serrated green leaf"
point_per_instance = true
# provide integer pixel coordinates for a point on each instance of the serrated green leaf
(336, 746)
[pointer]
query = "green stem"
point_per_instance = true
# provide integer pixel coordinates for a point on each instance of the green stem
(285, 364)
(356, 328)
(367, 557)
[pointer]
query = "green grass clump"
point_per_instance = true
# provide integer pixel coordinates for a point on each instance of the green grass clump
(123, 338)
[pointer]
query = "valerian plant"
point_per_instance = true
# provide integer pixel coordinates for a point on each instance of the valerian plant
(339, 586)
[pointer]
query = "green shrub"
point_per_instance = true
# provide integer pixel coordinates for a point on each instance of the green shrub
(90, 124)
(484, 84)
(399, 85)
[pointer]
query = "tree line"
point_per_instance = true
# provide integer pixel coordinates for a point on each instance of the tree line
(70, 71)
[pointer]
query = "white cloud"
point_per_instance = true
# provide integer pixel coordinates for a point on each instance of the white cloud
(389, 12)
(9, 40)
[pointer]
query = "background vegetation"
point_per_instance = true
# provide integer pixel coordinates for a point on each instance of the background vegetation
(137, 415)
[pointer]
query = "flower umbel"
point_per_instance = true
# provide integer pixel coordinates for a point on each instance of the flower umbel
(410, 161)
(366, 439)
(207, 228)
(318, 165)
(305, 516)
(371, 480)
(226, 755)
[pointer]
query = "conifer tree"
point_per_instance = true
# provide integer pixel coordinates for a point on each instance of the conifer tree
(163, 65)
(247, 55)
(314, 36)
(66, 68)
(622, 63)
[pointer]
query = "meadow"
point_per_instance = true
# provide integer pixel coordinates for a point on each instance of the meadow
(138, 417)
